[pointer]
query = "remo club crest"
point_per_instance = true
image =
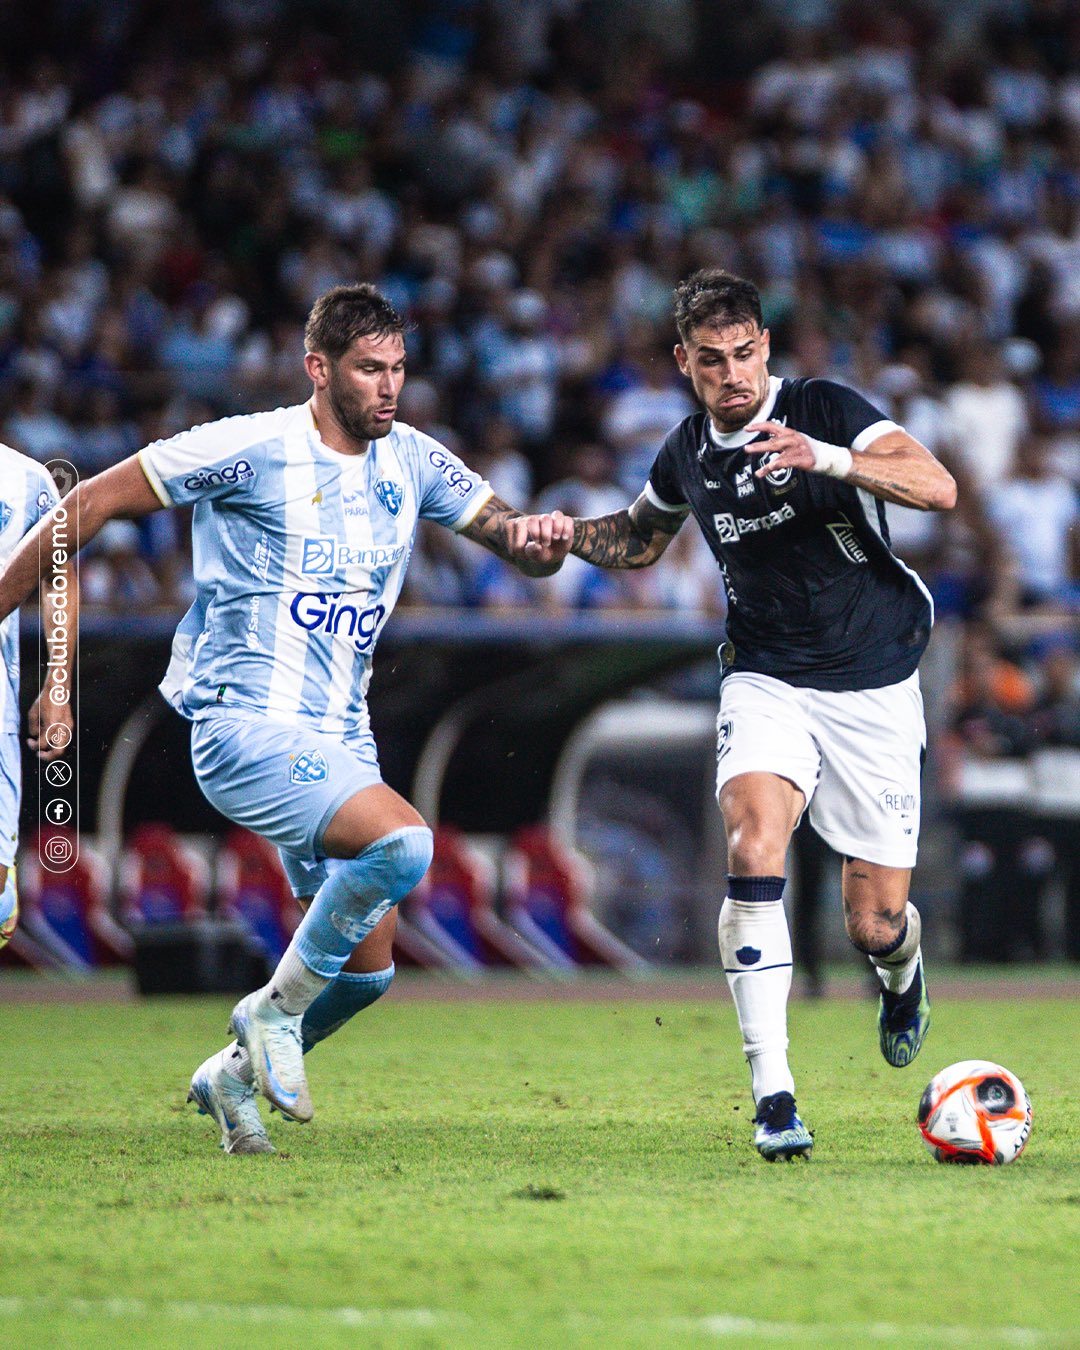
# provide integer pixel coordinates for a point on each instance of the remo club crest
(390, 494)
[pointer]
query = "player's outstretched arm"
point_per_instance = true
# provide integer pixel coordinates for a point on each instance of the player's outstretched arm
(895, 466)
(635, 537)
(536, 545)
(122, 492)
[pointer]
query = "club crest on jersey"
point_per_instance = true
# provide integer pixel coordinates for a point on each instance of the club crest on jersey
(779, 478)
(390, 494)
(310, 767)
(6, 512)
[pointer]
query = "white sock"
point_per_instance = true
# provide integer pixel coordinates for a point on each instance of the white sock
(293, 987)
(755, 947)
(897, 969)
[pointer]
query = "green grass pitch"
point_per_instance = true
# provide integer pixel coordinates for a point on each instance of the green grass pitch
(527, 1174)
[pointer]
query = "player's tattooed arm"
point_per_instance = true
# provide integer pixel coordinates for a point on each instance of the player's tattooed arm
(535, 545)
(897, 468)
(635, 537)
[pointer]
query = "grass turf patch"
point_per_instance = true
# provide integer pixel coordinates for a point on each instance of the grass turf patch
(529, 1174)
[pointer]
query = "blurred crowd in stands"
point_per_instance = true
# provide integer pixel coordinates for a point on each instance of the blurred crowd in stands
(527, 179)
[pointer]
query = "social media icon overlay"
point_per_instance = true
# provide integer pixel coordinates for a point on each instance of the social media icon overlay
(58, 778)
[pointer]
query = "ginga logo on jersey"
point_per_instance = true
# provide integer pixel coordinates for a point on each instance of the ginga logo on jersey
(461, 483)
(320, 613)
(237, 472)
(322, 556)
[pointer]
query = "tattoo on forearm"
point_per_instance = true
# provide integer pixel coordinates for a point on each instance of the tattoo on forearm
(488, 526)
(864, 476)
(632, 538)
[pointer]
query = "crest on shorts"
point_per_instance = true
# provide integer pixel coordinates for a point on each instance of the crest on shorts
(723, 738)
(391, 494)
(310, 767)
(6, 512)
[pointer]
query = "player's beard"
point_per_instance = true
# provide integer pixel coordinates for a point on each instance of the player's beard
(737, 418)
(357, 422)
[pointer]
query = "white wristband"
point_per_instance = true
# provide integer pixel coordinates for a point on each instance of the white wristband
(832, 460)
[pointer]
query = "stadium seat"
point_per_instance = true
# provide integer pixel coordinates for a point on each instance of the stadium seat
(66, 914)
(454, 907)
(548, 890)
(162, 879)
(251, 886)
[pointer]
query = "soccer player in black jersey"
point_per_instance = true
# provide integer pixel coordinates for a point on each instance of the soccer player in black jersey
(820, 702)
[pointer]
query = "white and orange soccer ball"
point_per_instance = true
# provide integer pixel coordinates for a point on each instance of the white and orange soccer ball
(975, 1112)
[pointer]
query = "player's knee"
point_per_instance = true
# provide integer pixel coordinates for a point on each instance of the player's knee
(402, 858)
(873, 930)
(754, 852)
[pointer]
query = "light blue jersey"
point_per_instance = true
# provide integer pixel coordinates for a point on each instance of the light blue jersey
(27, 493)
(299, 555)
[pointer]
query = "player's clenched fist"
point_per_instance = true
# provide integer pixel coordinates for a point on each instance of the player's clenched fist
(545, 538)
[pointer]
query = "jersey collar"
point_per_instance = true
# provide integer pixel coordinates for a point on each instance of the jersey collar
(733, 440)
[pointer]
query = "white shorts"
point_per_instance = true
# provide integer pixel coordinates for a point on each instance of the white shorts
(855, 755)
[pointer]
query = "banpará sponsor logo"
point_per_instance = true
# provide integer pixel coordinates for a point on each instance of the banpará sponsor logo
(731, 528)
(322, 556)
(319, 613)
(459, 482)
(237, 472)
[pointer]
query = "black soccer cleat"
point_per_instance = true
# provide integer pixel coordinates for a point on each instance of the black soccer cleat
(780, 1133)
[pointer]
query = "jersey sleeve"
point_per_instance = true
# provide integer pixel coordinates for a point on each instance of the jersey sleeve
(218, 459)
(450, 492)
(849, 419)
(664, 487)
(41, 495)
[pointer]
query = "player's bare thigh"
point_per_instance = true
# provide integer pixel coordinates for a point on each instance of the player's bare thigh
(760, 812)
(368, 815)
(875, 902)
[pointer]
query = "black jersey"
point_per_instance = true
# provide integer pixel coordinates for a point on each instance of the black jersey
(816, 597)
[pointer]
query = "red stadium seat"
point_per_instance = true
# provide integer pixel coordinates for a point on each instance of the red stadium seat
(252, 886)
(455, 908)
(66, 914)
(548, 893)
(163, 880)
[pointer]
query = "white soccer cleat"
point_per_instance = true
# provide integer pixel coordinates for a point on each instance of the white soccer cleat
(272, 1040)
(232, 1104)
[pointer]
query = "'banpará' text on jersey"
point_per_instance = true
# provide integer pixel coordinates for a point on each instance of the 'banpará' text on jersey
(816, 596)
(299, 554)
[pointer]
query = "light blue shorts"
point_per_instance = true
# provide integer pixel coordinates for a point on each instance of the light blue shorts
(284, 782)
(10, 791)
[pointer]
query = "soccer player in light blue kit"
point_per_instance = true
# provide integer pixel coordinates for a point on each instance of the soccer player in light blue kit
(304, 520)
(27, 493)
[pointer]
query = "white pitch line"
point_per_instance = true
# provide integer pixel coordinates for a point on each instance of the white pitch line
(723, 1326)
(14, 1306)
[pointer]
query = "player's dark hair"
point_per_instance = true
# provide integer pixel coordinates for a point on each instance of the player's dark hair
(713, 298)
(346, 313)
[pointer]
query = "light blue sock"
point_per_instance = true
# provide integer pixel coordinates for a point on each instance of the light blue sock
(356, 895)
(344, 998)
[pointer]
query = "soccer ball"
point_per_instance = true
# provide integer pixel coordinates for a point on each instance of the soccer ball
(975, 1112)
